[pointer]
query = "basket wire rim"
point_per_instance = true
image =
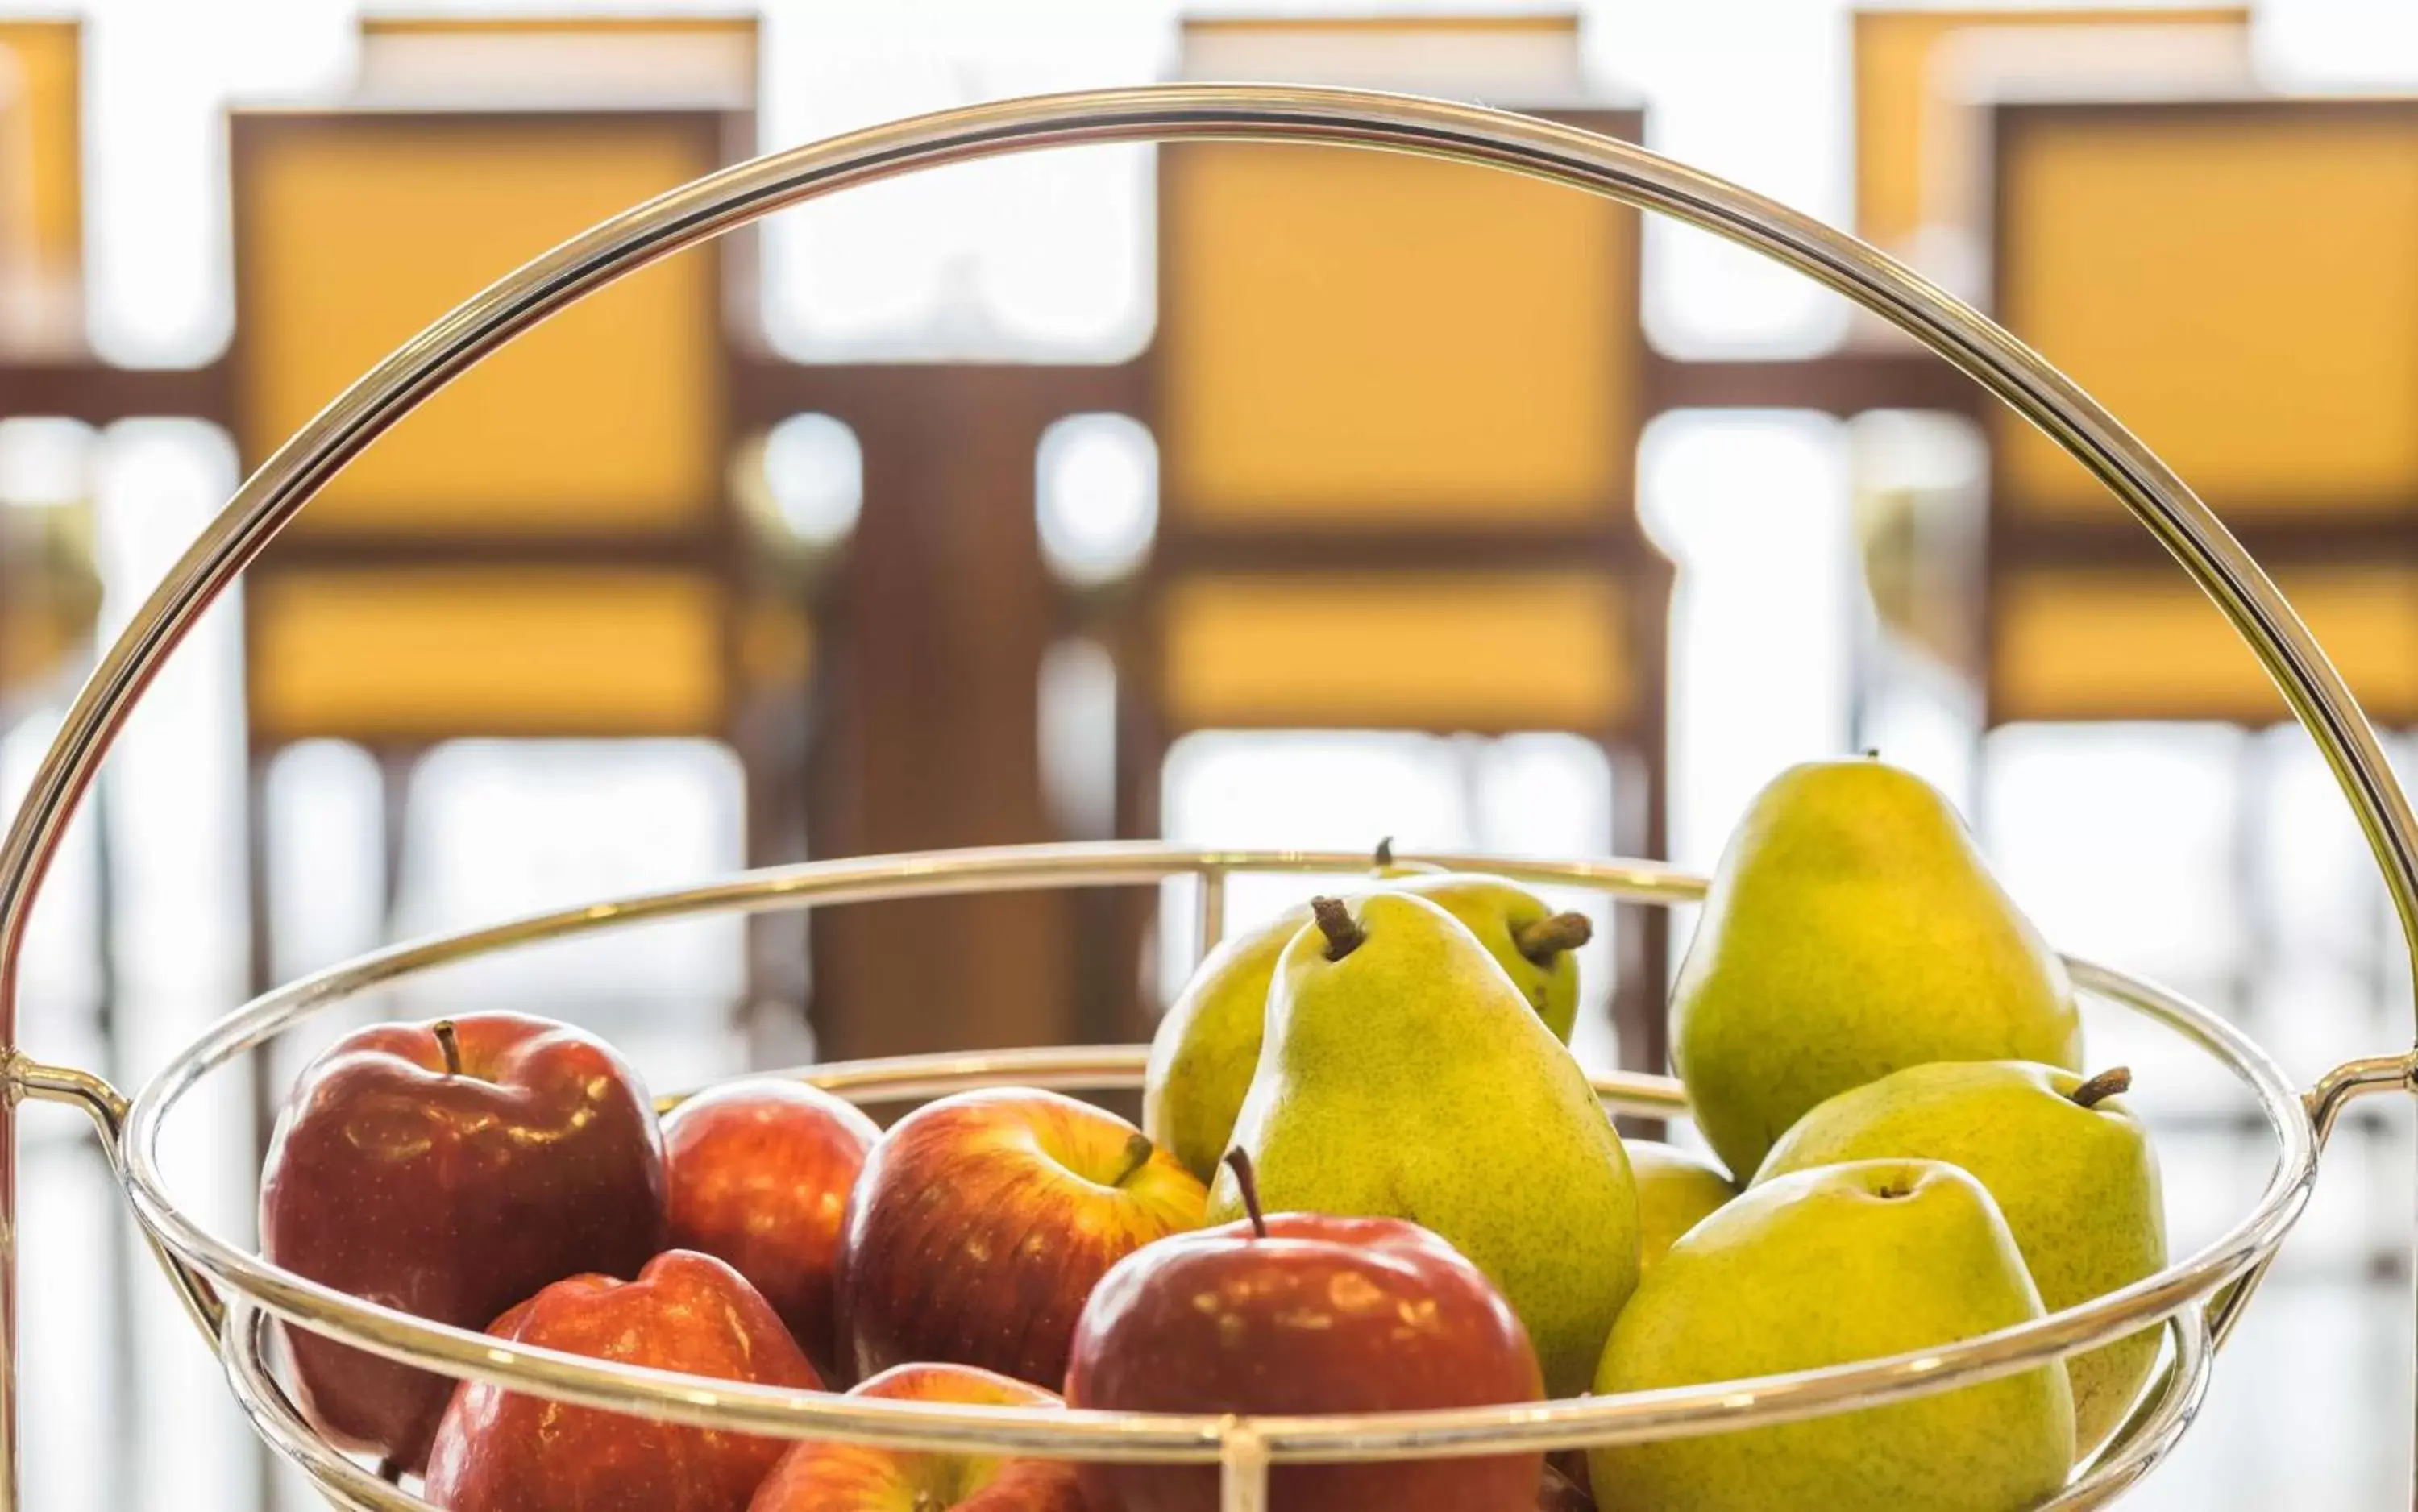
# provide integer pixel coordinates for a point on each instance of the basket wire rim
(1095, 1434)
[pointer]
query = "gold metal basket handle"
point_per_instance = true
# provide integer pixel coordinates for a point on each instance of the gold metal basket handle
(1454, 132)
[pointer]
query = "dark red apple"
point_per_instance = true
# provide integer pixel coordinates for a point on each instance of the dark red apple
(1305, 1313)
(501, 1451)
(982, 1221)
(451, 1170)
(759, 1174)
(858, 1478)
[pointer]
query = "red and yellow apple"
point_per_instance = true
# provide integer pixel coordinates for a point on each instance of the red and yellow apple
(759, 1174)
(1304, 1313)
(855, 1477)
(451, 1170)
(981, 1223)
(500, 1451)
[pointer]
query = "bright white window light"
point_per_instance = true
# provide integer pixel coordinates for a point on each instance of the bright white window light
(45, 463)
(1097, 497)
(815, 472)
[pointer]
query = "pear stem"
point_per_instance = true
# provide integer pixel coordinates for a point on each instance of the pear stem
(1238, 1160)
(1138, 1152)
(2104, 1086)
(1384, 856)
(450, 1044)
(1544, 938)
(1343, 932)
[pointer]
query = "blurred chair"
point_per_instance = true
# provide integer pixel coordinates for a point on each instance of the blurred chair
(2238, 281)
(549, 548)
(1398, 405)
(1924, 80)
(42, 187)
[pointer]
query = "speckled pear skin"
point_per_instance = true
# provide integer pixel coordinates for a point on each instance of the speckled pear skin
(1852, 929)
(1208, 1045)
(1410, 1080)
(2078, 1185)
(1206, 1048)
(1820, 1268)
(1496, 909)
(1677, 1189)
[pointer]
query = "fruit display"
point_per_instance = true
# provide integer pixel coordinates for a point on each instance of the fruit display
(1371, 1178)
(1302, 1312)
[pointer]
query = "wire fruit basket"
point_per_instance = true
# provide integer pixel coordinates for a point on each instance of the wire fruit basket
(234, 1295)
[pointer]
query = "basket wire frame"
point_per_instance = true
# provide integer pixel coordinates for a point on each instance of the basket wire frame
(231, 1292)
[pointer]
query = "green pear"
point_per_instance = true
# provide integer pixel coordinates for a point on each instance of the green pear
(1536, 947)
(1852, 930)
(1405, 1076)
(1677, 1189)
(1206, 1047)
(1823, 1267)
(2069, 1166)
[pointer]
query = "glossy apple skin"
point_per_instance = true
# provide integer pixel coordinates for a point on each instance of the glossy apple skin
(860, 1478)
(452, 1196)
(1324, 1315)
(759, 1174)
(981, 1223)
(500, 1451)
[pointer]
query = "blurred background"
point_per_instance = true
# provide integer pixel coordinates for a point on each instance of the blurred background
(1236, 495)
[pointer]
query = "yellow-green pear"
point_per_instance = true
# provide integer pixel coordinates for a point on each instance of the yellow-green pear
(1206, 1048)
(1852, 930)
(1825, 1267)
(1403, 1076)
(1677, 1189)
(1537, 948)
(2069, 1166)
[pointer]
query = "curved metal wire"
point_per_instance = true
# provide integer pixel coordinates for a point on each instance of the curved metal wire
(1460, 133)
(2172, 1404)
(1698, 1409)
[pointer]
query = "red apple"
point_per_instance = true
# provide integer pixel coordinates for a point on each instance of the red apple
(1305, 1313)
(860, 1478)
(982, 1221)
(760, 1173)
(500, 1451)
(451, 1170)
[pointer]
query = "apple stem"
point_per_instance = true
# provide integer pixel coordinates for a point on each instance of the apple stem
(1384, 856)
(1544, 938)
(447, 1042)
(1138, 1152)
(389, 1470)
(1343, 933)
(2104, 1086)
(1239, 1161)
